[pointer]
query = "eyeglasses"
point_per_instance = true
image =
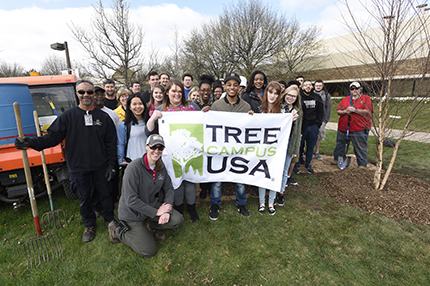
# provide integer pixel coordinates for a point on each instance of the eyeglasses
(82, 92)
(290, 95)
(159, 147)
(307, 84)
(353, 88)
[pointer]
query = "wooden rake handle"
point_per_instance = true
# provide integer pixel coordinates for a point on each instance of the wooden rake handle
(27, 170)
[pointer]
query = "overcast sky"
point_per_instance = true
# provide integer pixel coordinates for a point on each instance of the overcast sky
(30, 26)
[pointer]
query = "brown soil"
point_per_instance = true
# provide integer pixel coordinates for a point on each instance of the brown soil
(403, 198)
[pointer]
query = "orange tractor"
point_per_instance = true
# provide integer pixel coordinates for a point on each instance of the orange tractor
(49, 96)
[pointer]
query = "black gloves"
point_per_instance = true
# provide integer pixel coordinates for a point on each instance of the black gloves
(22, 143)
(110, 172)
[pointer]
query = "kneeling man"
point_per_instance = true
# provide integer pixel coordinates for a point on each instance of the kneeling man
(147, 195)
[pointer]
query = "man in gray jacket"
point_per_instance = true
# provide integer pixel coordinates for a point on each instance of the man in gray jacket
(147, 194)
(326, 99)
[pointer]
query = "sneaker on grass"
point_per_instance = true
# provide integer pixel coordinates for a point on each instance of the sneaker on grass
(309, 169)
(291, 181)
(279, 200)
(243, 211)
(272, 211)
(262, 210)
(213, 215)
(89, 234)
(318, 156)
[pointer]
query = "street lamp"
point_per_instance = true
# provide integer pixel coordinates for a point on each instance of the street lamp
(62, 47)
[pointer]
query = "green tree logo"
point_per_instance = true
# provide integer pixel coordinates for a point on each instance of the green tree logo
(186, 145)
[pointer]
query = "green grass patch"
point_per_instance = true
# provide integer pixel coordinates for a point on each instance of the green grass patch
(311, 240)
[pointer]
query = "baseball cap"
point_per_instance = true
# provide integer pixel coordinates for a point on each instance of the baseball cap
(356, 84)
(232, 75)
(155, 139)
(96, 88)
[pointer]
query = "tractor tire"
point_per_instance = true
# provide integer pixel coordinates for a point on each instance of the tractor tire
(69, 193)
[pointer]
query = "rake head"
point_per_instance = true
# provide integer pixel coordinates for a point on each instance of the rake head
(42, 249)
(55, 218)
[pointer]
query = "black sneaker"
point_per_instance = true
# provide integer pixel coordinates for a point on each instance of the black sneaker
(279, 200)
(309, 169)
(112, 236)
(291, 181)
(89, 234)
(213, 215)
(262, 210)
(318, 156)
(272, 211)
(243, 211)
(296, 169)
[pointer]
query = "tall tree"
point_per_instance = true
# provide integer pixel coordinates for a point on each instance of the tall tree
(394, 55)
(113, 44)
(246, 36)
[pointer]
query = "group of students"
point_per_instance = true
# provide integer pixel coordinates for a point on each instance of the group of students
(139, 146)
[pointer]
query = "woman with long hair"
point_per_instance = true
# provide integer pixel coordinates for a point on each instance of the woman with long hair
(291, 104)
(271, 103)
(255, 90)
(176, 101)
(132, 133)
(157, 97)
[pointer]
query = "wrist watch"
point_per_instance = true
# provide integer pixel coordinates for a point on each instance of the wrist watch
(356, 110)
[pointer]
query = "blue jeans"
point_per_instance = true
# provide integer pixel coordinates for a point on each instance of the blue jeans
(359, 141)
(216, 194)
(262, 196)
(285, 173)
(309, 138)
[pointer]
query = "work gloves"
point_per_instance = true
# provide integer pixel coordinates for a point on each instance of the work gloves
(110, 172)
(22, 143)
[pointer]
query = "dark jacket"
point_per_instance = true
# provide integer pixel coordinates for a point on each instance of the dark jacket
(88, 148)
(253, 100)
(141, 194)
(313, 110)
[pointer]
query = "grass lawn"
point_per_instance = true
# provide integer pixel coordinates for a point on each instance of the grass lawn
(311, 240)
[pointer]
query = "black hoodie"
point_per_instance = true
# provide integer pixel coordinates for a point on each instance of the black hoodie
(313, 109)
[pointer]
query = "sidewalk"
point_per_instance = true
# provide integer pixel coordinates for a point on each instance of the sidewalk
(394, 134)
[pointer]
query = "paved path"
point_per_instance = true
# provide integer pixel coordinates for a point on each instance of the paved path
(395, 134)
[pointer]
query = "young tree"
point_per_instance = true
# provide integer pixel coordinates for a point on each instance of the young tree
(395, 55)
(114, 44)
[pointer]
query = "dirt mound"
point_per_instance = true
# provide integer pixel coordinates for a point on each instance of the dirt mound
(403, 198)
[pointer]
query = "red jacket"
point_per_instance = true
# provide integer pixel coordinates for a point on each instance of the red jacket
(358, 122)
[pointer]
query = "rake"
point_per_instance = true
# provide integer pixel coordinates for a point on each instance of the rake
(42, 248)
(41, 245)
(55, 218)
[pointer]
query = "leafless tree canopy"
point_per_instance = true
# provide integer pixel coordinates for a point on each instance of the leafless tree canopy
(11, 70)
(396, 58)
(114, 44)
(245, 37)
(53, 65)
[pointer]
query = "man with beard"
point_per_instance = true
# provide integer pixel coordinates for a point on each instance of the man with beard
(90, 154)
(109, 86)
(164, 79)
(313, 112)
(100, 103)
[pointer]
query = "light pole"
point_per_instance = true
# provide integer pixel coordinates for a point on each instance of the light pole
(62, 47)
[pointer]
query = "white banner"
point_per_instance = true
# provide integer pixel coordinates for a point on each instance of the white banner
(219, 146)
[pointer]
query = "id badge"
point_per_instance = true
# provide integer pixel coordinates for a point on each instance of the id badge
(88, 119)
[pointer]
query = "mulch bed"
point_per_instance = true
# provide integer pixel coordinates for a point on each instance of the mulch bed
(403, 198)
